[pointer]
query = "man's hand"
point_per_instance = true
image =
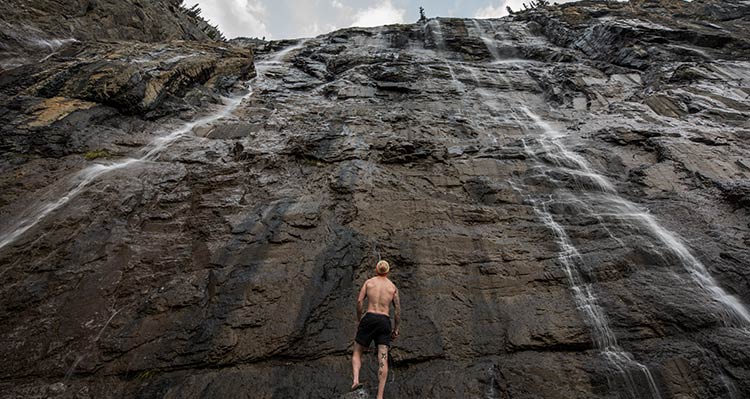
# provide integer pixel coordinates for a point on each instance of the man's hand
(394, 334)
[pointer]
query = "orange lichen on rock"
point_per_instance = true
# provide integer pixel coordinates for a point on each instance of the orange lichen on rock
(56, 108)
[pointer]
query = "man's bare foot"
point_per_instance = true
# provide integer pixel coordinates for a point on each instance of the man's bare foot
(356, 386)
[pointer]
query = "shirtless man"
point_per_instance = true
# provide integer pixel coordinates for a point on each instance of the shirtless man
(376, 324)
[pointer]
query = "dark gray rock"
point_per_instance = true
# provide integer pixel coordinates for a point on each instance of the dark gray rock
(562, 195)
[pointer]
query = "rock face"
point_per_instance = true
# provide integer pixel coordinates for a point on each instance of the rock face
(28, 21)
(102, 99)
(29, 28)
(132, 77)
(563, 195)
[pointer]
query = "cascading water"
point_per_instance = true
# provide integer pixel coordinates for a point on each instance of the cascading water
(150, 152)
(437, 36)
(71, 187)
(31, 216)
(565, 160)
(488, 41)
(572, 262)
(632, 371)
(64, 192)
(437, 33)
(568, 162)
(282, 54)
(732, 312)
(587, 301)
(456, 83)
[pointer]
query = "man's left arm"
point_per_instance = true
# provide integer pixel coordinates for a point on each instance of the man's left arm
(396, 315)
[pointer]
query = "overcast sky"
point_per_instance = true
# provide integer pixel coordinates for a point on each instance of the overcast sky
(283, 19)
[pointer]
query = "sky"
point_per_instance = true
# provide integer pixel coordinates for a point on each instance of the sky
(286, 19)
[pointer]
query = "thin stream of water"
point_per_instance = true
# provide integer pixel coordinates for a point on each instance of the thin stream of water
(488, 41)
(571, 260)
(150, 153)
(732, 312)
(71, 187)
(587, 301)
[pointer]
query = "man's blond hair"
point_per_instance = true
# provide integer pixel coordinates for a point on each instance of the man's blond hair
(382, 268)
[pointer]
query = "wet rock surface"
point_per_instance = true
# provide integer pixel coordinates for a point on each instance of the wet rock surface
(562, 194)
(76, 101)
(31, 29)
(41, 22)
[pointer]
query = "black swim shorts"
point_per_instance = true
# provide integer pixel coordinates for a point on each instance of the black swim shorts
(374, 327)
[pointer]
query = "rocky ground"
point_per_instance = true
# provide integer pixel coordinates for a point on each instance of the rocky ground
(563, 195)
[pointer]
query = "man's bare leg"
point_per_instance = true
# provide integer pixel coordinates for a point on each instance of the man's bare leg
(382, 369)
(356, 363)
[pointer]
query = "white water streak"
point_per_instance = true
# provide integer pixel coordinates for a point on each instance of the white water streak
(587, 301)
(150, 152)
(80, 180)
(282, 54)
(732, 311)
(36, 214)
(583, 293)
(101, 331)
(51, 44)
(564, 158)
(456, 83)
(488, 41)
(437, 34)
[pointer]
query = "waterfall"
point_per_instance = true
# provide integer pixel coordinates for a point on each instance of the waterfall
(569, 257)
(456, 83)
(553, 157)
(35, 214)
(83, 178)
(152, 150)
(280, 57)
(437, 33)
(732, 312)
(488, 41)
(583, 293)
(586, 300)
(71, 187)
(566, 160)
(50, 44)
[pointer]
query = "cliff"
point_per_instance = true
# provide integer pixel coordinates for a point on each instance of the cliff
(563, 195)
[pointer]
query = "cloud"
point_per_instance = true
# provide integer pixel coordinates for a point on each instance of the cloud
(382, 14)
(236, 17)
(492, 11)
(337, 4)
(315, 29)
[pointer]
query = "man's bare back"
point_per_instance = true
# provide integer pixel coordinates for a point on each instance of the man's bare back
(380, 292)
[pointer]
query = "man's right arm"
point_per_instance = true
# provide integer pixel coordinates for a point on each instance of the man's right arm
(361, 301)
(396, 314)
